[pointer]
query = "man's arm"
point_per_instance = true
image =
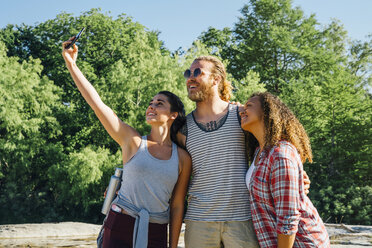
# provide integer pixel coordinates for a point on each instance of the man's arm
(306, 183)
(181, 136)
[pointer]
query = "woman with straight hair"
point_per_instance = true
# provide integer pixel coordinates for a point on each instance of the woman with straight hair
(156, 171)
(283, 215)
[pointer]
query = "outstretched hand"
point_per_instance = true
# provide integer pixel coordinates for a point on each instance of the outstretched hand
(69, 55)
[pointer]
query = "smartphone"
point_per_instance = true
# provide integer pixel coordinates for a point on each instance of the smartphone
(75, 39)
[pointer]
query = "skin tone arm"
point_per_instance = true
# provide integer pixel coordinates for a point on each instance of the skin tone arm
(181, 139)
(286, 241)
(178, 198)
(118, 130)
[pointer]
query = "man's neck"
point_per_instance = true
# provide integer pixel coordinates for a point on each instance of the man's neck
(210, 109)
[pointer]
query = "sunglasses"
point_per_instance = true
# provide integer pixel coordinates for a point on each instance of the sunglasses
(187, 74)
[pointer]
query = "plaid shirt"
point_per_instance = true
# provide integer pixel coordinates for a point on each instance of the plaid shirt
(279, 204)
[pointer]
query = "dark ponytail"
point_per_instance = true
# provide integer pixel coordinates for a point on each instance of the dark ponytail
(176, 106)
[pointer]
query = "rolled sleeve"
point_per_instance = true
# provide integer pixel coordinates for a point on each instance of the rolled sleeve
(284, 185)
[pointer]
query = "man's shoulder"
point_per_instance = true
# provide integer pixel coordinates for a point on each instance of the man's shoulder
(183, 129)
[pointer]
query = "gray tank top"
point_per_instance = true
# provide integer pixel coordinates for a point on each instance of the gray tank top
(148, 182)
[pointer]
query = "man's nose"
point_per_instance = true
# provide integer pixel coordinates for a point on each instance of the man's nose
(191, 79)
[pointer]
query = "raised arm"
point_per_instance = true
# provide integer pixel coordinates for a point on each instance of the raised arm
(121, 132)
(178, 198)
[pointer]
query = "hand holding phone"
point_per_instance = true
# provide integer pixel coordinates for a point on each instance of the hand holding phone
(75, 39)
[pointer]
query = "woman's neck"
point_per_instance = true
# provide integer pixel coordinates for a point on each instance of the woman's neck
(160, 135)
(259, 133)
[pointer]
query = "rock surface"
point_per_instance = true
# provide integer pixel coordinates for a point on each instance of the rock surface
(76, 234)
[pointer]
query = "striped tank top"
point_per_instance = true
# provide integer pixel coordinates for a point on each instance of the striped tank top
(217, 190)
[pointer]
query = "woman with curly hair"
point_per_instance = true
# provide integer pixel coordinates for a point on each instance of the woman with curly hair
(283, 216)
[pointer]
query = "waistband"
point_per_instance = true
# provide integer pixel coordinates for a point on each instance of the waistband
(143, 217)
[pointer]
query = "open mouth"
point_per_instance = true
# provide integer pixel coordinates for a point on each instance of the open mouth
(244, 117)
(192, 86)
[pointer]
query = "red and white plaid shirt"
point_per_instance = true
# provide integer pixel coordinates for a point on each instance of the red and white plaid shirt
(278, 202)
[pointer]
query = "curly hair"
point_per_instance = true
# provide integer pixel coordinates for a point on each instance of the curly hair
(280, 124)
(224, 87)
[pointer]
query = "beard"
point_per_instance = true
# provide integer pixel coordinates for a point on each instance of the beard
(204, 92)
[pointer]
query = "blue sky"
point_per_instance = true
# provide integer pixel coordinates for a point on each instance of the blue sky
(181, 22)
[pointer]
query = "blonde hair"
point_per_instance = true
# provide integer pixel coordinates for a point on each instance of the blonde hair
(224, 87)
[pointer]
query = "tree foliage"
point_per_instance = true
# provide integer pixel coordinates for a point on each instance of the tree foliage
(29, 137)
(56, 158)
(324, 79)
(76, 154)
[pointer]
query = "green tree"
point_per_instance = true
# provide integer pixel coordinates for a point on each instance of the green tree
(29, 134)
(275, 40)
(127, 68)
(325, 80)
(247, 86)
(78, 183)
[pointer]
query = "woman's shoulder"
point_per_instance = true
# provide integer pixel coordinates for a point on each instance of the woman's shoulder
(184, 160)
(283, 149)
(183, 154)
